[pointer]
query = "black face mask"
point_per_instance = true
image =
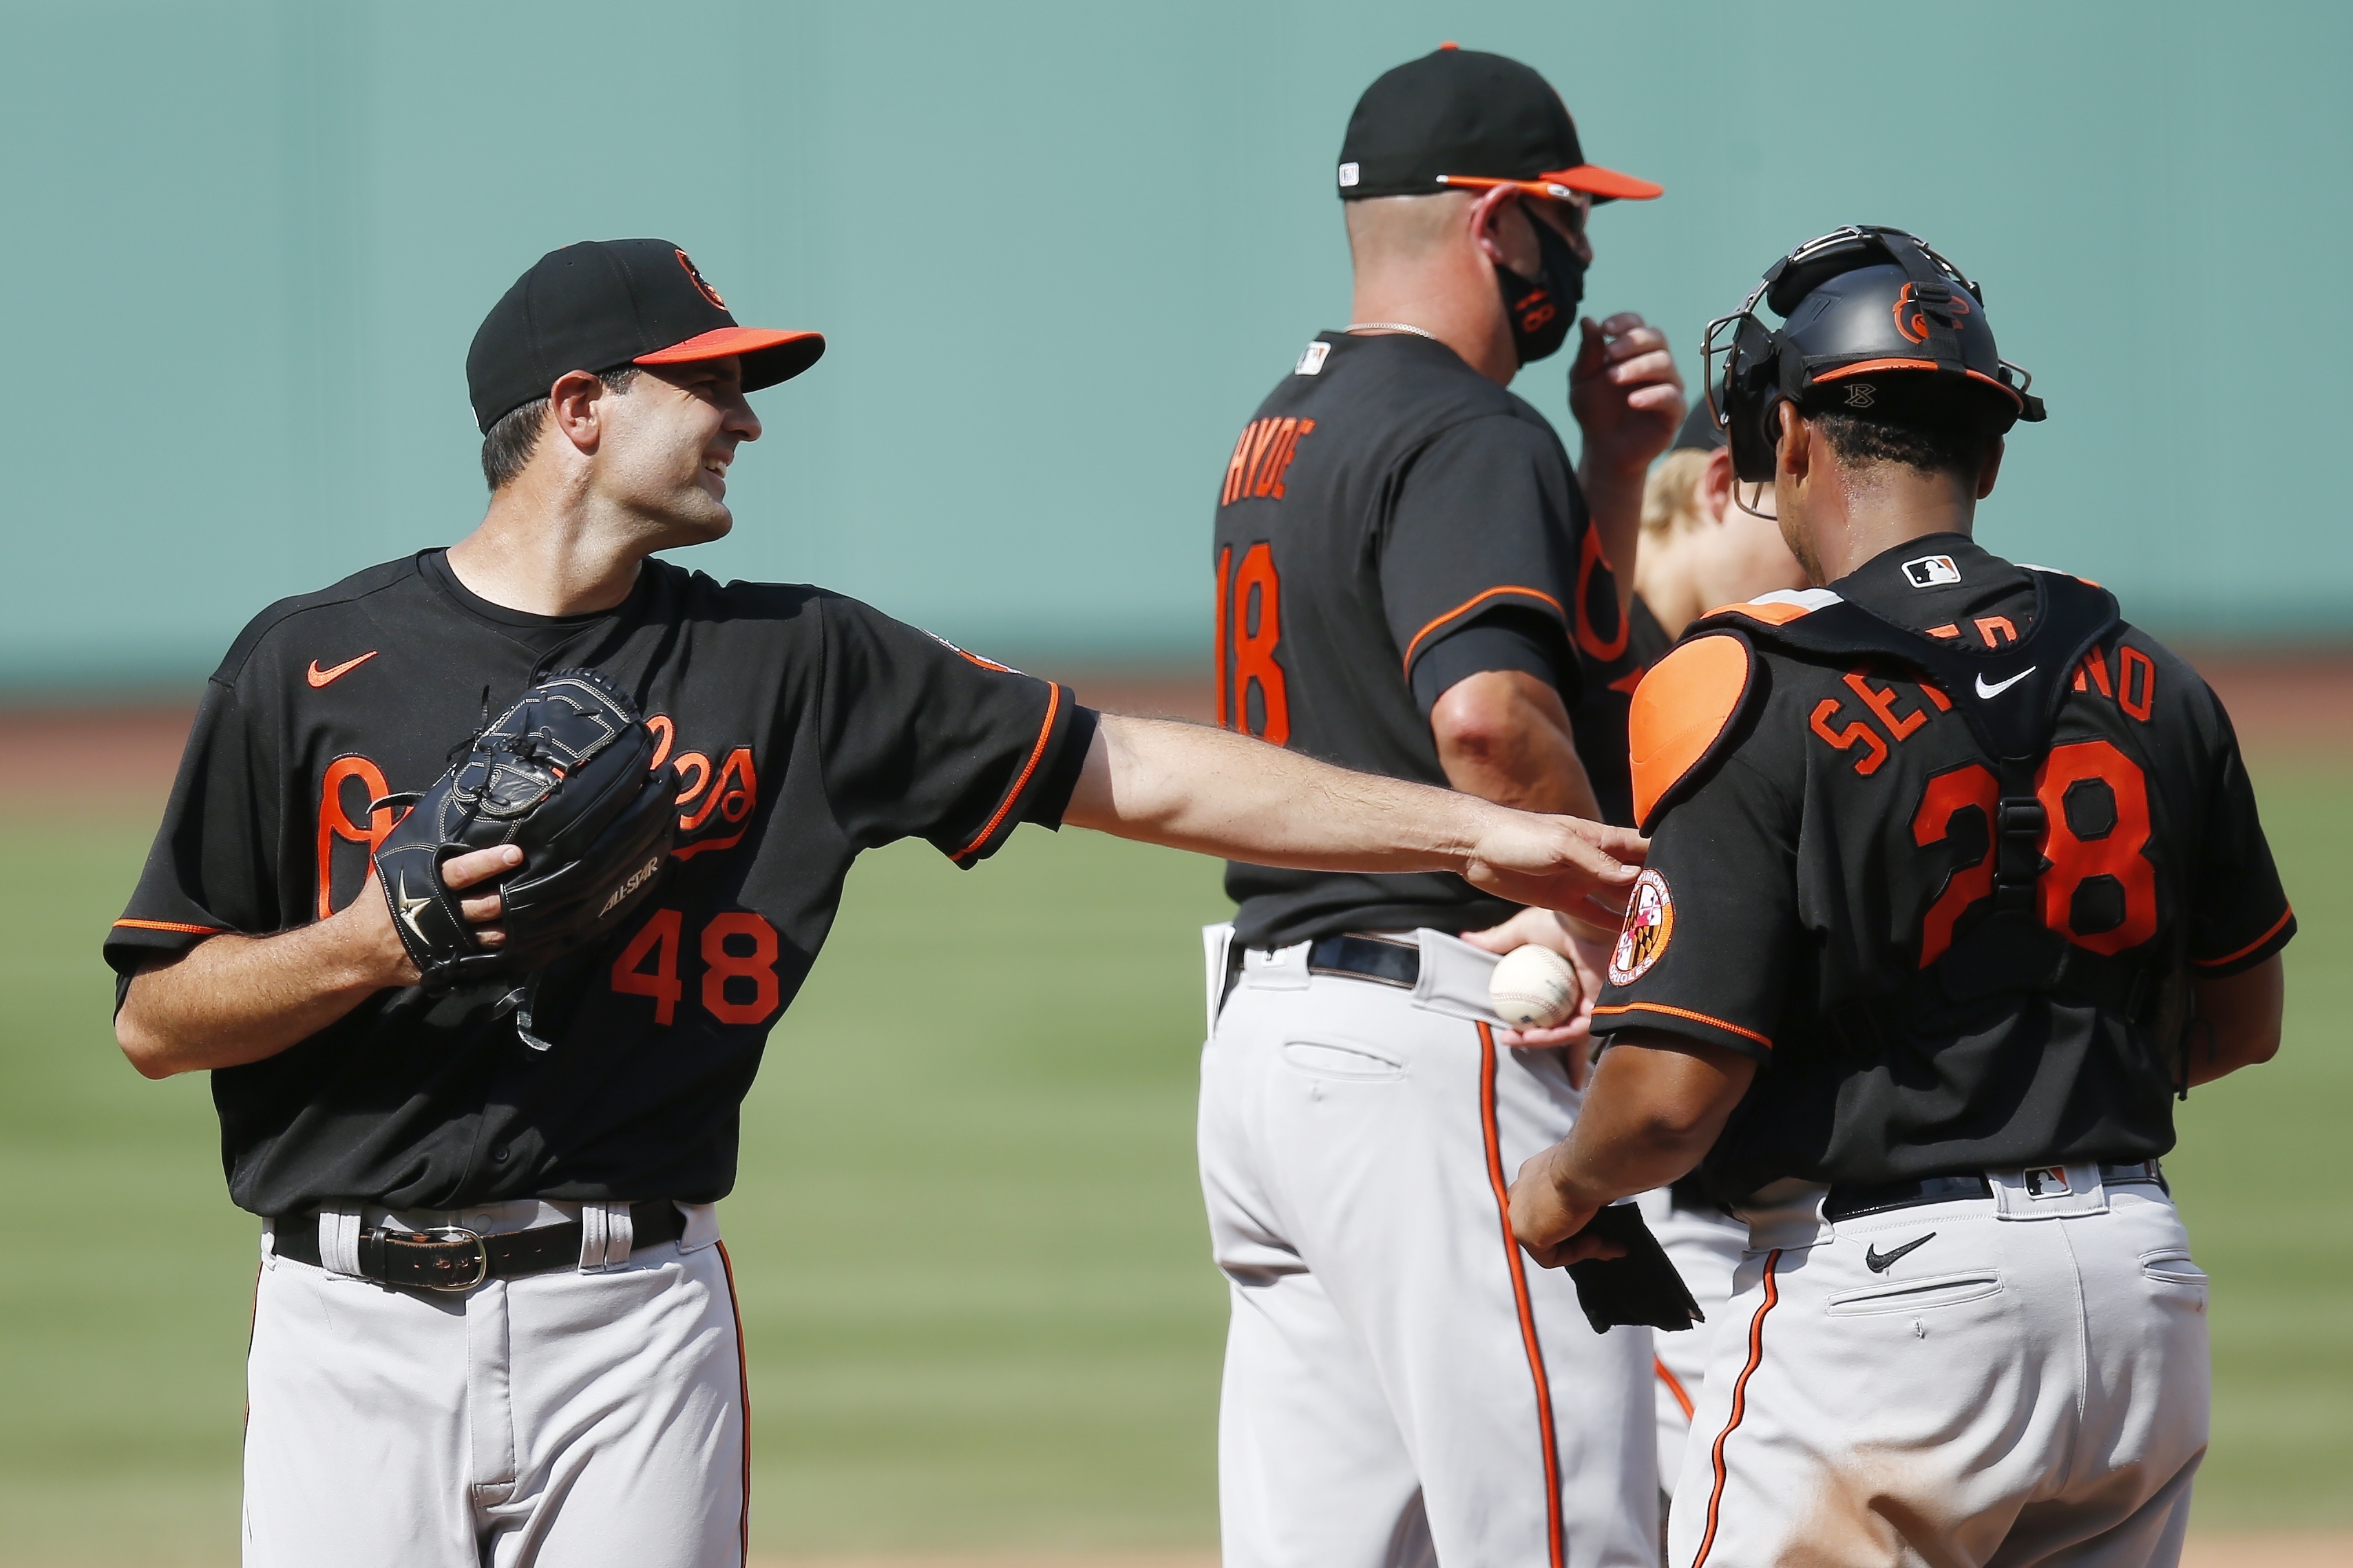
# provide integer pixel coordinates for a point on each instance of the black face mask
(1541, 309)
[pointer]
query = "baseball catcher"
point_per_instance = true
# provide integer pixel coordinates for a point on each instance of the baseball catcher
(1955, 882)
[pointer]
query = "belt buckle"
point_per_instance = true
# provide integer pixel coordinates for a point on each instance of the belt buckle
(482, 1256)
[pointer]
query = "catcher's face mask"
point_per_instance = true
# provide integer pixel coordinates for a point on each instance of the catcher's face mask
(1872, 317)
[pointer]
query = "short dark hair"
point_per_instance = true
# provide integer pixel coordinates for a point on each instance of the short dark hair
(1943, 441)
(508, 444)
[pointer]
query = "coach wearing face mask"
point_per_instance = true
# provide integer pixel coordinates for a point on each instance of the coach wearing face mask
(1413, 580)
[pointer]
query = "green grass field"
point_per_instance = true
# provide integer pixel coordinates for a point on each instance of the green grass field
(968, 1234)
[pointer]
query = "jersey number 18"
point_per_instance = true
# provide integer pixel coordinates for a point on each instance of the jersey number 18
(1250, 624)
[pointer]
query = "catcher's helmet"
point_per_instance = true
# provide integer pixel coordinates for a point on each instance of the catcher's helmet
(1871, 318)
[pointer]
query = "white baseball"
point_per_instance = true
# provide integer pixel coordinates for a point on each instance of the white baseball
(1534, 988)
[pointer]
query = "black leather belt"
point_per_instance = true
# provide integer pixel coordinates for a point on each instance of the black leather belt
(1849, 1199)
(458, 1260)
(1383, 960)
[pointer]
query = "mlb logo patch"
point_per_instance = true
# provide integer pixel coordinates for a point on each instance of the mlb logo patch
(1312, 361)
(1931, 572)
(1347, 176)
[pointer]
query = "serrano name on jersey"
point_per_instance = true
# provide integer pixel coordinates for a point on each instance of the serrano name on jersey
(1823, 855)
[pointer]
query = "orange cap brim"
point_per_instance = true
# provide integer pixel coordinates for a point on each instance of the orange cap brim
(1863, 367)
(1596, 180)
(769, 356)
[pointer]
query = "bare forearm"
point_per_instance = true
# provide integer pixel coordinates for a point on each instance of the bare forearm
(1190, 787)
(2238, 1021)
(1656, 1106)
(236, 999)
(1503, 735)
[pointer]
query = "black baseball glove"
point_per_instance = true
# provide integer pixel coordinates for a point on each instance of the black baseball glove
(1641, 1286)
(564, 774)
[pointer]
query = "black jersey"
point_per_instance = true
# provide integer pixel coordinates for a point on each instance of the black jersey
(1820, 889)
(1386, 498)
(804, 727)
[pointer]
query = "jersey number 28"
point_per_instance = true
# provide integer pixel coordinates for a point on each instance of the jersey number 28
(2098, 890)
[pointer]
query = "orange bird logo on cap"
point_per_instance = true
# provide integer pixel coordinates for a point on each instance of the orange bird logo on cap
(701, 286)
(1912, 320)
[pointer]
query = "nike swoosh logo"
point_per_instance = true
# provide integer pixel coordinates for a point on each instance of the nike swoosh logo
(1998, 687)
(1879, 1262)
(324, 677)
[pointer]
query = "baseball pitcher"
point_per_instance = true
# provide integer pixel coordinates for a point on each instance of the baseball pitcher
(488, 871)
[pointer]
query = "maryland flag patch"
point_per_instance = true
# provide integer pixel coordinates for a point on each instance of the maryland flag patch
(1650, 923)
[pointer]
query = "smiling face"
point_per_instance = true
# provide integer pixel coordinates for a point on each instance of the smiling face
(667, 444)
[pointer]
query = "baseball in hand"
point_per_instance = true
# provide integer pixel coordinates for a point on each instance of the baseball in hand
(1534, 988)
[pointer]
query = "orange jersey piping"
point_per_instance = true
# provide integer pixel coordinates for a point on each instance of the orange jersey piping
(1547, 1440)
(744, 1394)
(216, 931)
(1739, 1403)
(1045, 734)
(2287, 915)
(1687, 1013)
(1674, 1385)
(1472, 603)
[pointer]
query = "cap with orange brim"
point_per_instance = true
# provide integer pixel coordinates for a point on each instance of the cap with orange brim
(769, 355)
(1460, 117)
(605, 303)
(1567, 184)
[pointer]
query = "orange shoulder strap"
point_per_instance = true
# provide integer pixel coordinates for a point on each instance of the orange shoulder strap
(1682, 709)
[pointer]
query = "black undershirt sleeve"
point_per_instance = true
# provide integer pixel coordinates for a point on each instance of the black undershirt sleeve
(1503, 639)
(1484, 519)
(1714, 931)
(2240, 914)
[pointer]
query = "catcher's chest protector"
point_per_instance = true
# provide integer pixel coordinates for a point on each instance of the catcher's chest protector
(2010, 697)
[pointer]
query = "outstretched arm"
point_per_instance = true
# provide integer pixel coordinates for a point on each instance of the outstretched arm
(1191, 787)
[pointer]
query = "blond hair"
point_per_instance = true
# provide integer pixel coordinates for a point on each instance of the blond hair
(1670, 495)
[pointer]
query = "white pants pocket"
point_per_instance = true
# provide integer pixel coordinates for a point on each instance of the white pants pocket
(1915, 1295)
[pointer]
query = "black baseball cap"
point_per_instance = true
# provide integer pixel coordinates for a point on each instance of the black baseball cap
(1700, 433)
(603, 304)
(1458, 117)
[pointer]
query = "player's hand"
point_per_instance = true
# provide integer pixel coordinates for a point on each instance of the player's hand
(1546, 1215)
(1556, 863)
(472, 869)
(1586, 948)
(1625, 391)
(370, 919)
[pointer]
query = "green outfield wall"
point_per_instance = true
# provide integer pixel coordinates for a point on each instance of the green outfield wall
(1061, 249)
